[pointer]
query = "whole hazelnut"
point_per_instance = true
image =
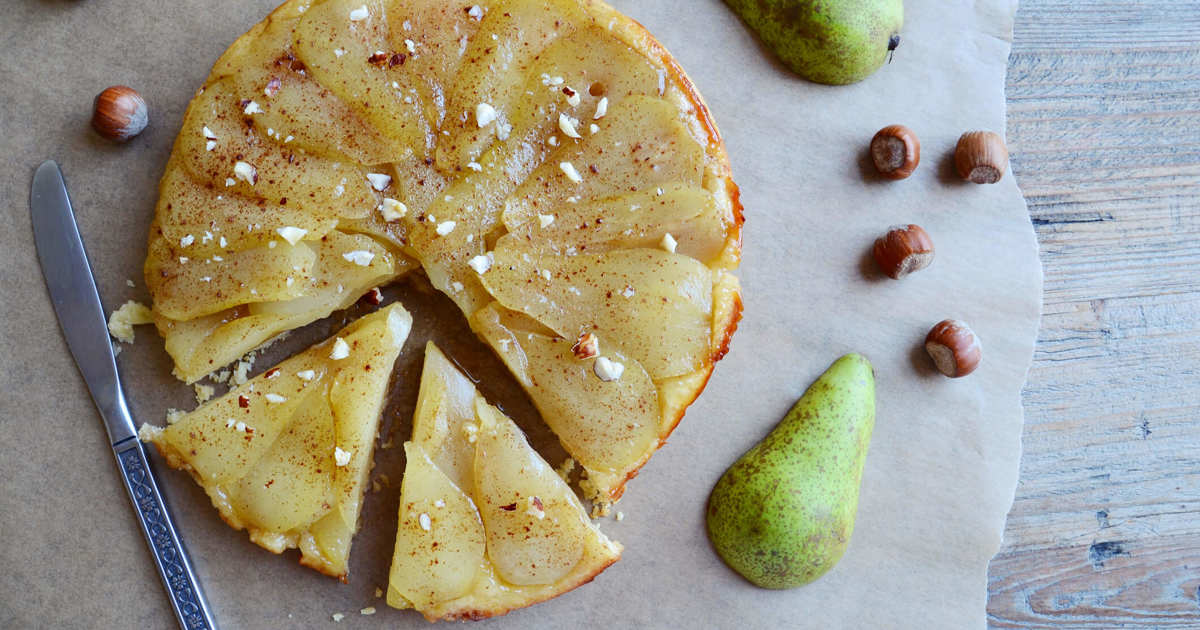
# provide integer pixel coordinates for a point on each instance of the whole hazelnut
(980, 157)
(954, 348)
(119, 113)
(895, 151)
(903, 250)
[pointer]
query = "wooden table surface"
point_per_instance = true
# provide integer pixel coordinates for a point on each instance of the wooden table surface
(1104, 130)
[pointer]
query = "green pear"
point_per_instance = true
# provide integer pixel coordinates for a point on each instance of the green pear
(782, 515)
(828, 41)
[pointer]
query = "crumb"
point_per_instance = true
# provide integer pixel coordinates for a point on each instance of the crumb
(564, 469)
(600, 509)
(173, 415)
(620, 516)
(122, 320)
(116, 348)
(337, 617)
(148, 432)
(129, 283)
(369, 610)
(221, 377)
(378, 592)
(239, 373)
(203, 393)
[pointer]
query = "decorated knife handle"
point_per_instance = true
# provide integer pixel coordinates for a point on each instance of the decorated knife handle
(169, 554)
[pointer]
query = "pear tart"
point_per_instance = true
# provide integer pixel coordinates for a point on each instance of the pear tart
(286, 455)
(544, 162)
(485, 524)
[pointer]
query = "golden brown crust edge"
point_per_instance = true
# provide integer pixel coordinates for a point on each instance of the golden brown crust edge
(479, 614)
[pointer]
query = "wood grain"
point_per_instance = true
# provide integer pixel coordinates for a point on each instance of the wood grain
(1104, 130)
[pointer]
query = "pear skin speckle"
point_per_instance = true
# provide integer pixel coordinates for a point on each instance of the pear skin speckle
(783, 514)
(835, 42)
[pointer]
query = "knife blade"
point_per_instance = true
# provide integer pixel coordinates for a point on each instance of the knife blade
(81, 317)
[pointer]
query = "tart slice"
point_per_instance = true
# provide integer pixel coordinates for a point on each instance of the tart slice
(286, 455)
(485, 525)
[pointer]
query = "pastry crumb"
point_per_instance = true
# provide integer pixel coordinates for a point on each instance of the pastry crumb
(173, 415)
(369, 610)
(149, 432)
(337, 617)
(564, 469)
(122, 320)
(600, 509)
(620, 516)
(204, 393)
(378, 592)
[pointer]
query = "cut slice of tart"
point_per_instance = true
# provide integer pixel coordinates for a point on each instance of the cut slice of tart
(545, 163)
(286, 455)
(485, 524)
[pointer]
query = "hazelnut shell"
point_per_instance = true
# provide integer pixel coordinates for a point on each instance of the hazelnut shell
(903, 250)
(895, 151)
(119, 113)
(954, 348)
(981, 157)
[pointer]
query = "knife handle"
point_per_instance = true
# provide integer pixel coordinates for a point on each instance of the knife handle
(174, 568)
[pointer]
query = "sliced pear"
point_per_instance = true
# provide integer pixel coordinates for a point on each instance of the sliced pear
(641, 147)
(220, 442)
(650, 304)
(440, 542)
(187, 285)
(440, 31)
(352, 53)
(514, 535)
(202, 344)
(274, 172)
(494, 71)
(219, 221)
(297, 110)
(690, 215)
(291, 485)
(535, 525)
(285, 455)
(445, 404)
(609, 427)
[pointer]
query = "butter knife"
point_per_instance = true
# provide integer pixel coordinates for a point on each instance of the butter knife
(77, 303)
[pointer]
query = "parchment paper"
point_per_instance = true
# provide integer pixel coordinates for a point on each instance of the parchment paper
(943, 462)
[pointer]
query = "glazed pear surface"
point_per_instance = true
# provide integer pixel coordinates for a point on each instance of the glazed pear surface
(485, 524)
(286, 455)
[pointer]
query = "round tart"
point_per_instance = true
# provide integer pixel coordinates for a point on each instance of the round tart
(545, 163)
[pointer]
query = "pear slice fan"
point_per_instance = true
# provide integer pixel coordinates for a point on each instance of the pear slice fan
(485, 524)
(545, 163)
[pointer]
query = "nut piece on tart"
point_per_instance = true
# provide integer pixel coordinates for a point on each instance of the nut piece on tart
(286, 455)
(545, 159)
(485, 524)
